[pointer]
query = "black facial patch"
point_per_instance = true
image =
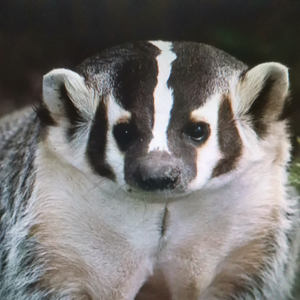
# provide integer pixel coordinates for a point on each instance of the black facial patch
(198, 72)
(229, 139)
(131, 77)
(72, 112)
(182, 147)
(44, 115)
(96, 147)
(134, 156)
(259, 108)
(134, 82)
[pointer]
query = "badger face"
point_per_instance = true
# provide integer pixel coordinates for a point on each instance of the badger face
(160, 116)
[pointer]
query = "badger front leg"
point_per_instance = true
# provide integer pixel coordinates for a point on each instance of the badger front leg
(259, 270)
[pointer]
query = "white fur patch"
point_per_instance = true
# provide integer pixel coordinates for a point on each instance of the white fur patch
(83, 98)
(163, 98)
(74, 152)
(208, 154)
(93, 222)
(114, 157)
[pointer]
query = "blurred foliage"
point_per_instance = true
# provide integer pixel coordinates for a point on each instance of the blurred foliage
(294, 177)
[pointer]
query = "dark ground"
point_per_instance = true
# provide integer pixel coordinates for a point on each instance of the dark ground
(37, 36)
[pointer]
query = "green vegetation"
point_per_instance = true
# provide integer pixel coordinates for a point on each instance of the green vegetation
(295, 175)
(295, 172)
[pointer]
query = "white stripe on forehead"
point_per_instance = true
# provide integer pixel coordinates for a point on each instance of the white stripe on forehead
(163, 97)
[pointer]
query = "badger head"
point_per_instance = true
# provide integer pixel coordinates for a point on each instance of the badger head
(165, 117)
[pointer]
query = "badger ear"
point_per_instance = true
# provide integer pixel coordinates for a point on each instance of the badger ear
(65, 96)
(261, 95)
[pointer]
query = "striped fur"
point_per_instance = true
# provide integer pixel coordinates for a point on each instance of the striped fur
(163, 98)
(157, 170)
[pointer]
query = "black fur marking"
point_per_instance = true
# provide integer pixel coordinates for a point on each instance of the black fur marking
(72, 112)
(196, 74)
(197, 71)
(4, 253)
(3, 259)
(258, 109)
(96, 147)
(229, 139)
(165, 221)
(44, 115)
(134, 82)
(132, 70)
(138, 152)
(132, 77)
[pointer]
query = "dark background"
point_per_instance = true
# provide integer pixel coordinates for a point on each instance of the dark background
(39, 35)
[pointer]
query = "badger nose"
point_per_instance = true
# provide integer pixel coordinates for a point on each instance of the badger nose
(158, 172)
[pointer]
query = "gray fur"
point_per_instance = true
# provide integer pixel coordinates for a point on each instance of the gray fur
(18, 271)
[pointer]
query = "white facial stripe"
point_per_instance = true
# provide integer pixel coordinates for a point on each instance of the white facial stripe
(114, 157)
(209, 152)
(163, 97)
(209, 111)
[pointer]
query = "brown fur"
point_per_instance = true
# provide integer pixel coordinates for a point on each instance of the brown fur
(229, 139)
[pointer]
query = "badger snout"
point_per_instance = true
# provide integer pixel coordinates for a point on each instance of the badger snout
(158, 171)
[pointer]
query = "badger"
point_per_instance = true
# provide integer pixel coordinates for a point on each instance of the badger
(154, 170)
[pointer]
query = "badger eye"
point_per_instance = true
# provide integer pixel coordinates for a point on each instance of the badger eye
(125, 134)
(197, 132)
